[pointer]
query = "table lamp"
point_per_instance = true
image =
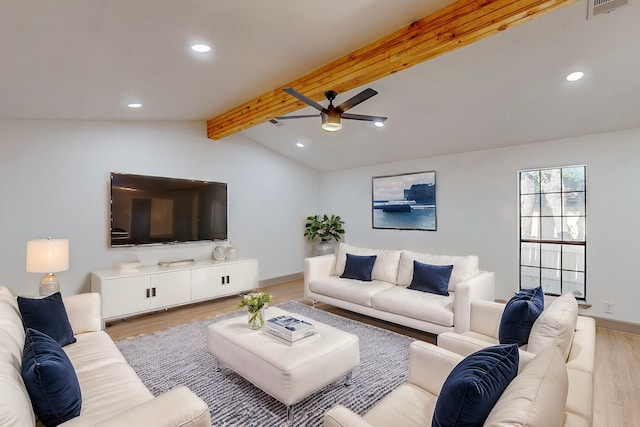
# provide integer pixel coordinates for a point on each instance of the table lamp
(48, 256)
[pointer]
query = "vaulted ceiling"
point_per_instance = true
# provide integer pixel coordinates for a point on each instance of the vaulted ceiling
(78, 60)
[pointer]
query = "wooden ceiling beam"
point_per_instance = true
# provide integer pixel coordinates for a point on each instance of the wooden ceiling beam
(459, 24)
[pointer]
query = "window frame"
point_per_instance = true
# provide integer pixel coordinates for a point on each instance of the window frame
(561, 243)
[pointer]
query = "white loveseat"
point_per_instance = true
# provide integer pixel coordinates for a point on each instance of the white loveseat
(534, 398)
(558, 325)
(112, 393)
(386, 297)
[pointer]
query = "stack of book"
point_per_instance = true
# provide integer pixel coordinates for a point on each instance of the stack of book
(289, 328)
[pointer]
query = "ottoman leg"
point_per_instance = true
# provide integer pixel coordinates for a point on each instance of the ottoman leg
(290, 415)
(347, 378)
(218, 367)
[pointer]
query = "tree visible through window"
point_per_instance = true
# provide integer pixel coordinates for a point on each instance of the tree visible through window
(553, 230)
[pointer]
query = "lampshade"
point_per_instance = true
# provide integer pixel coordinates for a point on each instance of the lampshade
(47, 255)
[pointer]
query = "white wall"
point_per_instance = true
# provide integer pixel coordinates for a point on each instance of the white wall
(54, 181)
(477, 210)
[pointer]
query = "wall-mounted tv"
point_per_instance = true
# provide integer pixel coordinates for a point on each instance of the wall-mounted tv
(151, 210)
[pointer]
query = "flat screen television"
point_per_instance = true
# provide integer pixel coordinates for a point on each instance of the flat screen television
(152, 210)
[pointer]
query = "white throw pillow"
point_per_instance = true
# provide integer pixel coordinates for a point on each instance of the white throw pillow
(555, 326)
(384, 269)
(537, 396)
(464, 267)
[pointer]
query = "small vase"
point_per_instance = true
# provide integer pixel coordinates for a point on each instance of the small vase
(324, 247)
(256, 318)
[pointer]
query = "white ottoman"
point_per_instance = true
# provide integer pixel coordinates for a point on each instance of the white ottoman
(287, 372)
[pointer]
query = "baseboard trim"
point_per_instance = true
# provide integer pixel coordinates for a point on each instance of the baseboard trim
(617, 325)
(279, 280)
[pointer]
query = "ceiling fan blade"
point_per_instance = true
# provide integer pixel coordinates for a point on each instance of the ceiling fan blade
(352, 102)
(297, 117)
(363, 117)
(291, 91)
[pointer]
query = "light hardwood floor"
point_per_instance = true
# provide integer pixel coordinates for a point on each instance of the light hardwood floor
(617, 374)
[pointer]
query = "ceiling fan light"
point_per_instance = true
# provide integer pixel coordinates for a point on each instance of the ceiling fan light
(331, 121)
(378, 124)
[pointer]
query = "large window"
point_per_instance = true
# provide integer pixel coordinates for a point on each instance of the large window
(553, 230)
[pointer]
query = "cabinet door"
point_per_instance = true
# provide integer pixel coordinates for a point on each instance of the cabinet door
(242, 276)
(124, 296)
(207, 282)
(170, 288)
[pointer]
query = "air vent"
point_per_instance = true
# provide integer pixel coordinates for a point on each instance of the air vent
(598, 7)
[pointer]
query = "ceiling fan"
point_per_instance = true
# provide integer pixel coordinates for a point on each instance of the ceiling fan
(332, 115)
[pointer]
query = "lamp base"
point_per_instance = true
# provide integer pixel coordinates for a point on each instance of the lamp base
(49, 284)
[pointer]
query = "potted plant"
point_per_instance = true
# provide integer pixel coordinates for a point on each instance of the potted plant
(325, 227)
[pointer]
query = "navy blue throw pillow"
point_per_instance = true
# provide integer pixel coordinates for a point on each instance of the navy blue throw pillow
(431, 278)
(474, 386)
(48, 316)
(519, 314)
(50, 379)
(359, 267)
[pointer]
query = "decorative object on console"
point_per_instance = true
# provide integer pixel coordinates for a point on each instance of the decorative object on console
(326, 228)
(256, 303)
(48, 256)
(219, 253)
(231, 252)
(405, 202)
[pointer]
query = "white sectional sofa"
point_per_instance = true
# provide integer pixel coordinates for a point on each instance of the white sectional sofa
(112, 393)
(558, 325)
(386, 297)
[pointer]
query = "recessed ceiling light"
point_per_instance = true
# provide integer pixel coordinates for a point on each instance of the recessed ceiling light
(299, 144)
(201, 48)
(576, 75)
(134, 105)
(379, 124)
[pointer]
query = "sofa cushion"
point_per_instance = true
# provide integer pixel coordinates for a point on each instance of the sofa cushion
(357, 292)
(431, 278)
(48, 316)
(464, 267)
(359, 267)
(519, 314)
(384, 269)
(424, 306)
(50, 379)
(474, 386)
(537, 396)
(555, 326)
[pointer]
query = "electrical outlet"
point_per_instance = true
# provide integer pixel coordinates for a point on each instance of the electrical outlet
(608, 307)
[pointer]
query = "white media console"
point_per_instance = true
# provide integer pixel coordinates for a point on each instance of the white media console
(126, 292)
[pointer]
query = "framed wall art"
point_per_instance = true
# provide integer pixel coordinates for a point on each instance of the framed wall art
(405, 202)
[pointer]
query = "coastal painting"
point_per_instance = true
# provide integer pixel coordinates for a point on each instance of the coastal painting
(405, 202)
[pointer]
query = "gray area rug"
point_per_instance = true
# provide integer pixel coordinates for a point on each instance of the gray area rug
(178, 356)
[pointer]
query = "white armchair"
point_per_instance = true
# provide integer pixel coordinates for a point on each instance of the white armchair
(535, 397)
(579, 354)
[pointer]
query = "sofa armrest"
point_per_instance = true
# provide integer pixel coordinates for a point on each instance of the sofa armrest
(583, 348)
(485, 317)
(177, 407)
(84, 312)
(481, 286)
(315, 267)
(464, 346)
(339, 416)
(429, 365)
